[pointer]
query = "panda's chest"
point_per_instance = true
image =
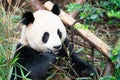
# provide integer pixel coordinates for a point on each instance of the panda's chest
(35, 62)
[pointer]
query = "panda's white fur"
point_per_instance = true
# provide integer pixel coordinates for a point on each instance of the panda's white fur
(23, 39)
(32, 34)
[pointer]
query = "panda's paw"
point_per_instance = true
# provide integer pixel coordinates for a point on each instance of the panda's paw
(84, 70)
(50, 56)
(82, 67)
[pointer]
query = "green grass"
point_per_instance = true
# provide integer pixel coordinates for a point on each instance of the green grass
(9, 21)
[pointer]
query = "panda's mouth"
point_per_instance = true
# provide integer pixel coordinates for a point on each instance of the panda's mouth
(49, 50)
(53, 51)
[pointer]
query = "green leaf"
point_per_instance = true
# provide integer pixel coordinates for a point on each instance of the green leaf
(94, 16)
(63, 75)
(51, 75)
(72, 7)
(83, 15)
(80, 26)
(84, 78)
(113, 14)
(0, 78)
(114, 51)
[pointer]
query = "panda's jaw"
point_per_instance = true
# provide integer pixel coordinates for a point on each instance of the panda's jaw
(51, 50)
(48, 50)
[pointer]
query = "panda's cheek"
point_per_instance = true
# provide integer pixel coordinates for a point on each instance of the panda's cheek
(48, 46)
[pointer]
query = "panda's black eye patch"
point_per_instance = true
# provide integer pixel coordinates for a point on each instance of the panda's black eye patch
(59, 33)
(45, 37)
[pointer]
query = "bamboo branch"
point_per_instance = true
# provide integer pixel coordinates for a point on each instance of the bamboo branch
(36, 5)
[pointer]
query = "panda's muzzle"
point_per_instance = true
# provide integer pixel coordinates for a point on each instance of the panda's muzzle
(57, 47)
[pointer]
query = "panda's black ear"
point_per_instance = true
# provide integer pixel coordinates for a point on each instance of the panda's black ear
(27, 18)
(56, 9)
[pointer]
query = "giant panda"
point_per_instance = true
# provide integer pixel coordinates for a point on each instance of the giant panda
(43, 38)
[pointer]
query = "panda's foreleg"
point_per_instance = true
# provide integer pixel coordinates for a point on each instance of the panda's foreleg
(81, 68)
(42, 65)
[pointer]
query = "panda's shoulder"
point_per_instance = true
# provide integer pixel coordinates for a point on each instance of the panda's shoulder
(25, 50)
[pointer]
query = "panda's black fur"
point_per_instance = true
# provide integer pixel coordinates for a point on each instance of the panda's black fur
(36, 64)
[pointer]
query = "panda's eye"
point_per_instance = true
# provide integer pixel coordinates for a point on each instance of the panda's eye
(59, 33)
(45, 37)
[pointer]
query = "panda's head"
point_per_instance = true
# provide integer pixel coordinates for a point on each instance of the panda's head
(43, 30)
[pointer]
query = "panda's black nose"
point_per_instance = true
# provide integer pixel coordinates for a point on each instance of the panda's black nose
(57, 47)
